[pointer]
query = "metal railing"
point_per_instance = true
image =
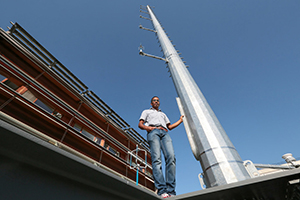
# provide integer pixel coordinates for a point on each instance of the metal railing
(79, 88)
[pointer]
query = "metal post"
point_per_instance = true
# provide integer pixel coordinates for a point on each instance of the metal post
(210, 144)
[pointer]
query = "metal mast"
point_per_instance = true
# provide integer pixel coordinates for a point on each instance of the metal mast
(220, 162)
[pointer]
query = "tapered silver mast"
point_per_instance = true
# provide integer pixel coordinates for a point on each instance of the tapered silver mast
(220, 162)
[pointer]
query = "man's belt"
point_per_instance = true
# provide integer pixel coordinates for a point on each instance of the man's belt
(158, 126)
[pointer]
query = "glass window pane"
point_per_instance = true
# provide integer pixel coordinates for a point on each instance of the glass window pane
(44, 106)
(97, 140)
(77, 127)
(11, 84)
(112, 150)
(87, 134)
(2, 77)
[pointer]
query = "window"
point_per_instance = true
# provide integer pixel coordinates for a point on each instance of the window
(44, 106)
(10, 84)
(2, 77)
(77, 127)
(41, 103)
(25, 92)
(99, 141)
(95, 139)
(112, 150)
(10, 81)
(85, 132)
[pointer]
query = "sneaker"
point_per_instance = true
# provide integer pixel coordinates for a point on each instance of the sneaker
(164, 195)
(172, 195)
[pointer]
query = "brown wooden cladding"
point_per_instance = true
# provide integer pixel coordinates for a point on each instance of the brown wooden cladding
(30, 74)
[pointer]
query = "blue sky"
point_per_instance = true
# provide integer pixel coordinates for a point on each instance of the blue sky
(244, 56)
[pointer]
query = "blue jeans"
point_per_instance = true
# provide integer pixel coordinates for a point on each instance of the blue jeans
(159, 140)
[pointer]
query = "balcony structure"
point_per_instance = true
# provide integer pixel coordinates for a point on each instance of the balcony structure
(39, 95)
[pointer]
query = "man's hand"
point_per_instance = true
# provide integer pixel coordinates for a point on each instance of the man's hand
(150, 128)
(171, 126)
(181, 118)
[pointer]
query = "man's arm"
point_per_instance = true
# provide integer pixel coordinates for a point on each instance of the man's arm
(144, 127)
(171, 126)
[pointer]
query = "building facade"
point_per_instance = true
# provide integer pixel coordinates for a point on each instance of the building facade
(40, 95)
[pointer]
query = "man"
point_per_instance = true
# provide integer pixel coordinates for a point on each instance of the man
(155, 122)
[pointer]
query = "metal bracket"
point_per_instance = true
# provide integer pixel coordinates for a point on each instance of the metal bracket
(142, 11)
(149, 55)
(147, 29)
(145, 18)
(202, 180)
(152, 56)
(143, 7)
